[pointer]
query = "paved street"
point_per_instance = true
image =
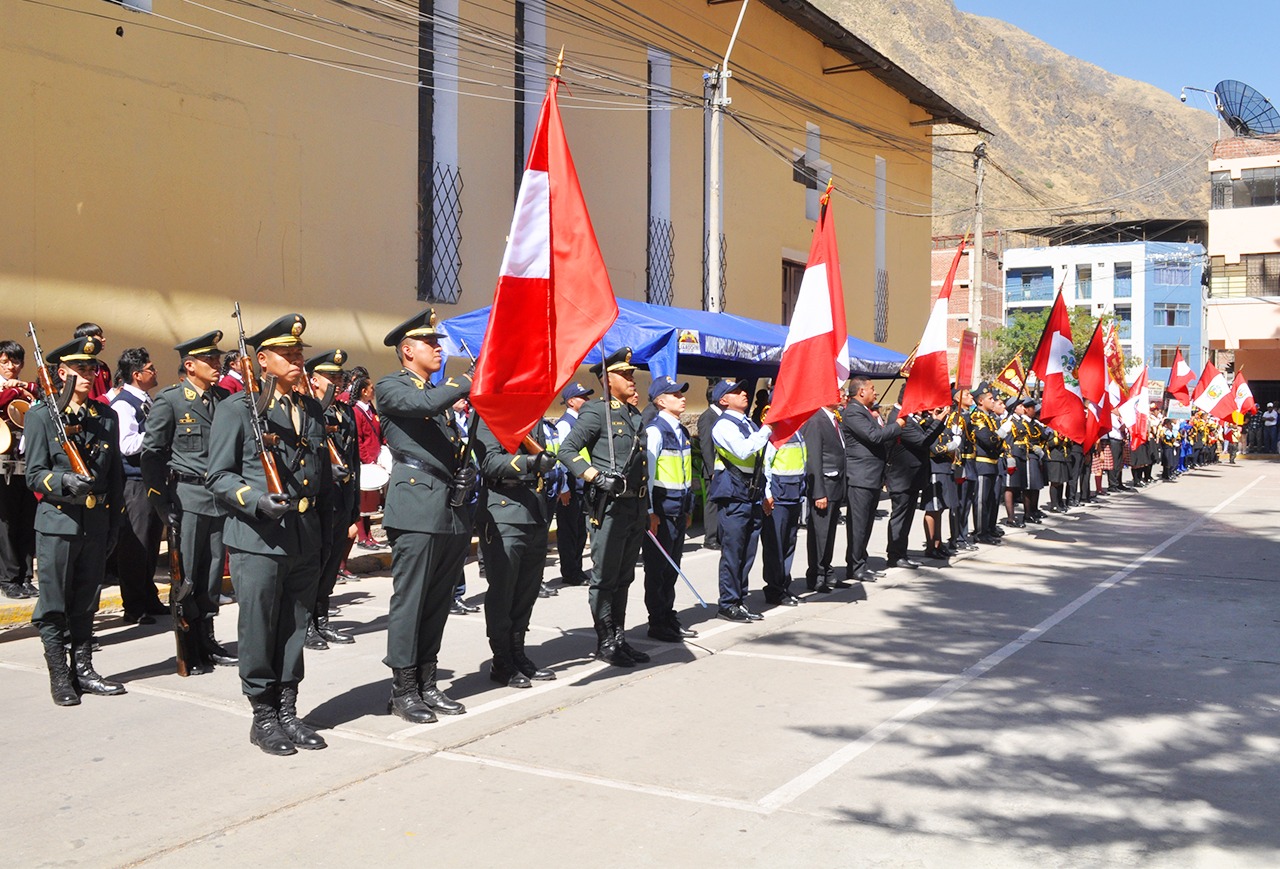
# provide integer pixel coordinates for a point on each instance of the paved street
(1102, 690)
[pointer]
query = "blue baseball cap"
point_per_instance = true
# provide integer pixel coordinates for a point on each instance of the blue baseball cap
(666, 385)
(574, 390)
(724, 387)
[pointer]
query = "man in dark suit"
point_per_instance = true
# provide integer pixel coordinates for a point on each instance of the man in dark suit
(827, 470)
(866, 447)
(907, 473)
(710, 509)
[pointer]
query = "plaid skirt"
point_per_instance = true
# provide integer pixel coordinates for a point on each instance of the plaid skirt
(1102, 460)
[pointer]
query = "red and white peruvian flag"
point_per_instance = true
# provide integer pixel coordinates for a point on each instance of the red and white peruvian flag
(1243, 394)
(1092, 375)
(553, 302)
(1180, 378)
(1212, 394)
(1061, 407)
(1135, 412)
(929, 383)
(815, 357)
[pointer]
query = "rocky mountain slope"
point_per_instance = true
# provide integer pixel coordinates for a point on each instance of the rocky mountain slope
(1070, 141)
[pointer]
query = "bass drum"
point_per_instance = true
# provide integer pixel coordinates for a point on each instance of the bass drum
(17, 412)
(373, 478)
(6, 438)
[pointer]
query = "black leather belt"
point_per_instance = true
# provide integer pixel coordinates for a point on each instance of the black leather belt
(418, 464)
(193, 479)
(509, 483)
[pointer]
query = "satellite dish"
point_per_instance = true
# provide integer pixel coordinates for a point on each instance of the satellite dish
(1246, 111)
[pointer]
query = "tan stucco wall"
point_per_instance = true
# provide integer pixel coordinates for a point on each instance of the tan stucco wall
(152, 178)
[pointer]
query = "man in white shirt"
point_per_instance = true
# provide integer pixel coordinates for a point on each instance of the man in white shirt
(138, 549)
(1269, 420)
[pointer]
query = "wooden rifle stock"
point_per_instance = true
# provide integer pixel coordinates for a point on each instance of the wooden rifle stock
(51, 398)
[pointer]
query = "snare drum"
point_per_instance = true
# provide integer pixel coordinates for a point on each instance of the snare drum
(373, 478)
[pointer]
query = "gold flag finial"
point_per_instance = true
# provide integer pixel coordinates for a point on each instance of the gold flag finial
(559, 62)
(825, 199)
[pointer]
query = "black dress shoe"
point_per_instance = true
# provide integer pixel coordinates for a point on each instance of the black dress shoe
(732, 614)
(866, 574)
(138, 619)
(14, 591)
(686, 633)
(842, 583)
(1033, 519)
(824, 588)
(155, 608)
(665, 633)
(935, 552)
(751, 616)
(782, 600)
(904, 561)
(29, 587)
(574, 580)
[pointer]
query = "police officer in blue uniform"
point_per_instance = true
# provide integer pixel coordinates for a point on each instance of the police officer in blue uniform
(669, 454)
(275, 538)
(175, 464)
(615, 466)
(785, 489)
(737, 487)
(428, 514)
(76, 522)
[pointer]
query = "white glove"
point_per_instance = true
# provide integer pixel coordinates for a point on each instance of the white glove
(1005, 428)
(953, 444)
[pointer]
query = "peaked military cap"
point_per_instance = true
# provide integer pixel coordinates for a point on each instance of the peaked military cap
(1029, 402)
(285, 332)
(575, 390)
(330, 360)
(421, 325)
(984, 388)
(206, 344)
(76, 350)
(666, 385)
(724, 387)
(619, 360)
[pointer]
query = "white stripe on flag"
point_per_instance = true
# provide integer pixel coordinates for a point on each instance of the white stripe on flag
(528, 253)
(812, 316)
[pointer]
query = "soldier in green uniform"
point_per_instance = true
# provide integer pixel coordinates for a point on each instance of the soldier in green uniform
(76, 522)
(175, 462)
(325, 370)
(617, 471)
(428, 514)
(513, 520)
(275, 538)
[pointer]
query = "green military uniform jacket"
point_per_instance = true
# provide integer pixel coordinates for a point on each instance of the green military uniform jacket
(340, 425)
(179, 430)
(418, 427)
(237, 479)
(59, 513)
(628, 443)
(511, 494)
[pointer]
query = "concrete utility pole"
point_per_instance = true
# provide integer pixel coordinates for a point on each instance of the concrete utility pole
(718, 83)
(975, 260)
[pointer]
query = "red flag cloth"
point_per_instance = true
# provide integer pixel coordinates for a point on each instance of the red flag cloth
(1061, 407)
(1135, 412)
(1180, 378)
(929, 383)
(1092, 370)
(1243, 394)
(1117, 384)
(553, 301)
(1212, 394)
(815, 357)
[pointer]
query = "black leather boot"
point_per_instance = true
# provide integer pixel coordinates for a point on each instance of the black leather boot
(332, 634)
(213, 649)
(503, 670)
(406, 698)
(620, 640)
(314, 641)
(89, 680)
(434, 697)
(607, 647)
(266, 732)
(60, 684)
(524, 665)
(294, 727)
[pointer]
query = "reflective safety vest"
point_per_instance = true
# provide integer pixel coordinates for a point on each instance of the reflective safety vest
(726, 459)
(674, 468)
(786, 470)
(733, 476)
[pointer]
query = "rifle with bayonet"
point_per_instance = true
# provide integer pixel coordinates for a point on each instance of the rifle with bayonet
(340, 469)
(57, 400)
(257, 399)
(189, 657)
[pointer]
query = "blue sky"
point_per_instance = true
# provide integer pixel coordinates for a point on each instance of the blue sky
(1169, 44)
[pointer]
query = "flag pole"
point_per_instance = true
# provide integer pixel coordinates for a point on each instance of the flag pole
(672, 562)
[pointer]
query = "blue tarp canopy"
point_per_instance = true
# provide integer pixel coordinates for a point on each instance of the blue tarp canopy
(680, 340)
